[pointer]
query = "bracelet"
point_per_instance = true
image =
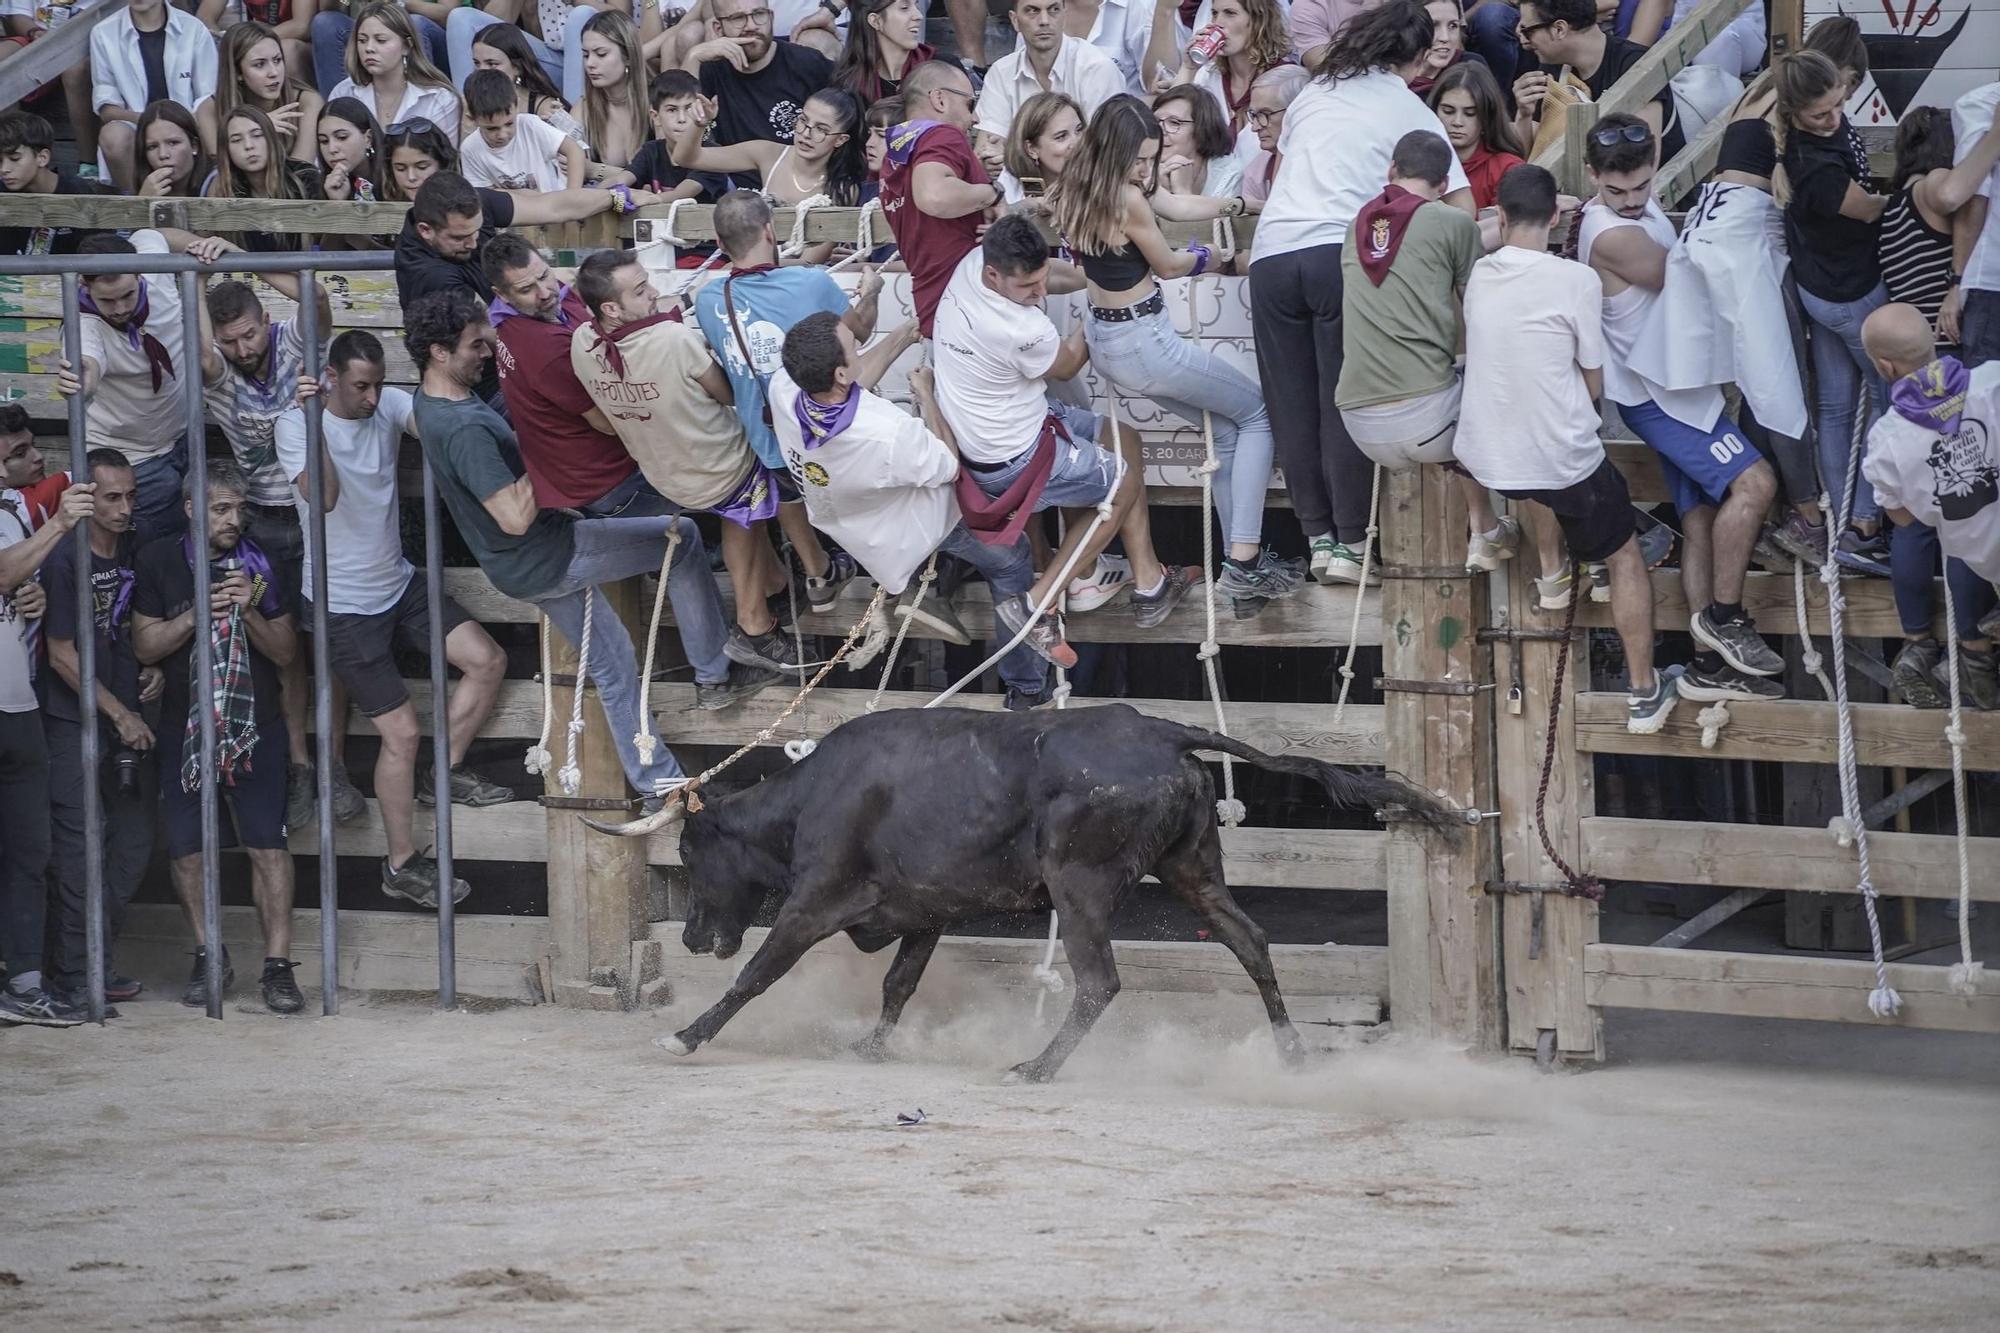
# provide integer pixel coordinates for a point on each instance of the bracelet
(626, 203)
(1202, 254)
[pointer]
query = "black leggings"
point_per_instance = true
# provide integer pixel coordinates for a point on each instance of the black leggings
(1295, 314)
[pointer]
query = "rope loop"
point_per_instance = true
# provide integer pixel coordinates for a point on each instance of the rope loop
(801, 213)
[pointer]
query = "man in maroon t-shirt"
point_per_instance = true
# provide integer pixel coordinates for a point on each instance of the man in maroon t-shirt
(572, 455)
(935, 191)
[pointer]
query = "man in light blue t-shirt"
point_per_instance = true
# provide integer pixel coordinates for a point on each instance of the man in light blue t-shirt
(745, 318)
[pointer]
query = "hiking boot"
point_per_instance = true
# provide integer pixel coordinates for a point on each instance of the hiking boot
(1600, 581)
(822, 593)
(1864, 553)
(417, 881)
(1552, 591)
(1150, 609)
(1803, 541)
(770, 650)
(1486, 550)
(933, 618)
(1978, 679)
(740, 684)
(1989, 624)
(1918, 674)
(301, 796)
(1725, 682)
(1262, 579)
(195, 995)
(348, 803)
(1645, 714)
(1045, 639)
(1021, 701)
(36, 1007)
(467, 788)
(1336, 562)
(1739, 643)
(281, 992)
(1112, 576)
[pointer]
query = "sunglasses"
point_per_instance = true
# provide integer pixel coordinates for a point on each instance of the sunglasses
(1527, 30)
(1609, 138)
(402, 129)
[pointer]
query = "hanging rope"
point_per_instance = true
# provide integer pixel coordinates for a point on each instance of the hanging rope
(1360, 595)
(1964, 975)
(570, 776)
(643, 739)
(801, 213)
(1582, 886)
(1809, 656)
(864, 238)
(538, 760)
(1229, 810)
(902, 633)
(1045, 973)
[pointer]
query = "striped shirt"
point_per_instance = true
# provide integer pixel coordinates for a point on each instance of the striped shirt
(1915, 257)
(246, 408)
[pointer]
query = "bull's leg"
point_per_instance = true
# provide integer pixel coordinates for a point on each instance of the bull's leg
(898, 986)
(791, 935)
(1085, 900)
(1195, 874)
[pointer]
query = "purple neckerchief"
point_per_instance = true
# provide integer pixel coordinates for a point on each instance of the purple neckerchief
(503, 310)
(157, 358)
(121, 600)
(255, 563)
(1932, 396)
(900, 141)
(820, 422)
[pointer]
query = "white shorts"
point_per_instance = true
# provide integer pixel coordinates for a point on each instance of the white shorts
(1409, 431)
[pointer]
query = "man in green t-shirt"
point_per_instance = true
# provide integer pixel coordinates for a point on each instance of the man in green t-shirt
(550, 558)
(1402, 272)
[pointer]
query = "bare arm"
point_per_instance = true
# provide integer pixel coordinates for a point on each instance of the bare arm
(923, 386)
(1593, 380)
(875, 362)
(1861, 205)
(562, 206)
(1956, 188)
(513, 507)
(131, 728)
(277, 639)
(1162, 44)
(19, 562)
(692, 155)
(1649, 20)
(716, 385)
(154, 640)
(1070, 360)
(942, 195)
(574, 164)
(599, 422)
(1143, 232)
(1631, 256)
(862, 314)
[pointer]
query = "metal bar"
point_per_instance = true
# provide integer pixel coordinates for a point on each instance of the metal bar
(1905, 796)
(323, 719)
(53, 53)
(1708, 919)
(203, 690)
(440, 744)
(95, 266)
(1395, 685)
(86, 675)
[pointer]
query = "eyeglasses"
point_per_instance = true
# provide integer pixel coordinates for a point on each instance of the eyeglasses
(1526, 30)
(816, 130)
(749, 18)
(1262, 115)
(1173, 124)
(1609, 137)
(414, 125)
(970, 98)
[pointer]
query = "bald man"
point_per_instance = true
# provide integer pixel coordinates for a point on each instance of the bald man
(1934, 462)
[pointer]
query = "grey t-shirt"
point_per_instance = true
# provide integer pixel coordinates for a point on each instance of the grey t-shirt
(473, 451)
(1399, 340)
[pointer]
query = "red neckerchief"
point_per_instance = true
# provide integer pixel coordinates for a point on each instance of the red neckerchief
(751, 270)
(1235, 105)
(608, 346)
(999, 520)
(1378, 230)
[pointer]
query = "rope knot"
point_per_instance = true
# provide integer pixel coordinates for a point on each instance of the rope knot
(1712, 719)
(1209, 648)
(1230, 811)
(1842, 829)
(1955, 735)
(1964, 978)
(1883, 1002)
(537, 760)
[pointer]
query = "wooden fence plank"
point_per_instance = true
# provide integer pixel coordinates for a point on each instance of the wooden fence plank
(1794, 731)
(1871, 606)
(1801, 860)
(1775, 986)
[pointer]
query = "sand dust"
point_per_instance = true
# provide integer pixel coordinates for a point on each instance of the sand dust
(532, 1168)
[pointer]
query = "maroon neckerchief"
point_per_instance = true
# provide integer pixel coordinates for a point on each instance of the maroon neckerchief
(608, 347)
(157, 359)
(1378, 230)
(1000, 519)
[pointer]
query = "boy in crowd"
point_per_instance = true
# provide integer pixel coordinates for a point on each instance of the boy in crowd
(252, 634)
(23, 469)
(1528, 423)
(26, 145)
(676, 94)
(1722, 487)
(515, 150)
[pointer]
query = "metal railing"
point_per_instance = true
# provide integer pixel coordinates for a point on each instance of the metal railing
(71, 269)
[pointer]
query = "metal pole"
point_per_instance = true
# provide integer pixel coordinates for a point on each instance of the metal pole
(96, 266)
(86, 674)
(324, 721)
(204, 643)
(440, 744)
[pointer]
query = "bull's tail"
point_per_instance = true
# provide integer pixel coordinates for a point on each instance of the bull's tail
(1375, 791)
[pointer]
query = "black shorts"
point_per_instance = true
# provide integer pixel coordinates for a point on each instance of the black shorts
(363, 648)
(254, 806)
(787, 486)
(1596, 513)
(278, 535)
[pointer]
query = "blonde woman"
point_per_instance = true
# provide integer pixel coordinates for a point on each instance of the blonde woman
(1254, 39)
(614, 108)
(251, 72)
(388, 72)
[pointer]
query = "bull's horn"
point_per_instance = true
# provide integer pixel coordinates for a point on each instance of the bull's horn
(640, 827)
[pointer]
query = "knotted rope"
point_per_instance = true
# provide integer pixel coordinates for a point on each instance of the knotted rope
(570, 776)
(643, 739)
(1229, 810)
(801, 213)
(1360, 594)
(1964, 975)
(538, 759)
(1808, 656)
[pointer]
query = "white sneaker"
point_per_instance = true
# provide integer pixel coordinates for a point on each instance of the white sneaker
(1112, 576)
(1486, 551)
(1600, 582)
(1553, 591)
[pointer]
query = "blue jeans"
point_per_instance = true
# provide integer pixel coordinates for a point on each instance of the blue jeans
(1979, 327)
(465, 23)
(1148, 358)
(1009, 571)
(633, 497)
(1913, 561)
(609, 549)
(1490, 34)
(329, 35)
(157, 509)
(1840, 368)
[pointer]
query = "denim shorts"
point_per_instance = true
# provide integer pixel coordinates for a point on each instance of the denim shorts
(1083, 473)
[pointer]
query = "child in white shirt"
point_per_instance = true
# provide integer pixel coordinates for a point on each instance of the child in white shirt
(514, 150)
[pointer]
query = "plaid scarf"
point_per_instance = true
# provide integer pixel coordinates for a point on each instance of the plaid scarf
(232, 697)
(158, 360)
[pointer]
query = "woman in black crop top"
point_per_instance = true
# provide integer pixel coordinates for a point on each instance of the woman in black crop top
(1103, 208)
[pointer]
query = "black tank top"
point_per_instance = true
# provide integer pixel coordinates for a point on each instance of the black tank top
(1117, 270)
(1747, 147)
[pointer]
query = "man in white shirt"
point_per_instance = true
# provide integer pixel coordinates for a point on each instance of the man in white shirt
(375, 602)
(1047, 61)
(1934, 461)
(995, 350)
(1528, 422)
(151, 52)
(880, 483)
(1975, 249)
(1123, 30)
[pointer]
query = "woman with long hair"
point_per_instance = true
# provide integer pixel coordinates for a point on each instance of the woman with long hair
(1101, 207)
(1447, 46)
(614, 112)
(1469, 104)
(826, 157)
(250, 71)
(252, 165)
(875, 123)
(1045, 132)
(504, 47)
(1254, 39)
(885, 41)
(388, 72)
(1197, 148)
(415, 151)
(1338, 137)
(350, 152)
(169, 161)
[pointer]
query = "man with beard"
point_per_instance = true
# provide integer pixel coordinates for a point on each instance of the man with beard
(759, 83)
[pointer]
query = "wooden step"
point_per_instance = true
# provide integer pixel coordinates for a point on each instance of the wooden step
(1804, 860)
(1793, 731)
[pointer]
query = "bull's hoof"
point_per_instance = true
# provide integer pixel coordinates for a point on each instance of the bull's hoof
(872, 1048)
(1028, 1071)
(1292, 1049)
(674, 1044)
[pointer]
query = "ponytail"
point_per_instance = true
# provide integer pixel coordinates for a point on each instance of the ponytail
(1800, 79)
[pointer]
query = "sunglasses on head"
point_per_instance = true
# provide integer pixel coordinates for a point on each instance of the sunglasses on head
(402, 129)
(1607, 138)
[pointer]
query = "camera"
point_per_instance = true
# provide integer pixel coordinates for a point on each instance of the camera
(125, 771)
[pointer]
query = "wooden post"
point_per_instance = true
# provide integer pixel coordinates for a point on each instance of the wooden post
(1544, 962)
(1574, 178)
(597, 882)
(1788, 26)
(1442, 966)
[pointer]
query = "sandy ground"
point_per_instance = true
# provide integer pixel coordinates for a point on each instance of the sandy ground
(531, 1167)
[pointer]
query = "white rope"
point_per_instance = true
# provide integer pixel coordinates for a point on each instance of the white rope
(570, 776)
(1225, 240)
(1045, 973)
(1809, 656)
(1712, 719)
(801, 212)
(538, 760)
(643, 739)
(1964, 976)
(1229, 810)
(864, 237)
(1360, 594)
(902, 633)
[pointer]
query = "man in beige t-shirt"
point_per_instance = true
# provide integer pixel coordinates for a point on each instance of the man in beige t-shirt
(653, 378)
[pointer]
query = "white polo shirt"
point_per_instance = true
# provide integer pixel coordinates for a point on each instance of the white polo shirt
(991, 356)
(127, 413)
(1080, 70)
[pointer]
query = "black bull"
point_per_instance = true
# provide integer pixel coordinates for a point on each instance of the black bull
(905, 823)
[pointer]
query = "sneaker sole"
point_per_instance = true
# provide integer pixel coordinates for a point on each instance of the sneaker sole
(1083, 606)
(1487, 564)
(1709, 639)
(1705, 694)
(1650, 726)
(1350, 575)
(427, 797)
(429, 904)
(750, 657)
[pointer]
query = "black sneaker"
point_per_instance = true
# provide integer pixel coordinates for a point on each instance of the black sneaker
(348, 802)
(1804, 542)
(1045, 639)
(742, 682)
(1726, 682)
(1265, 577)
(1918, 676)
(822, 593)
(933, 618)
(36, 1007)
(467, 788)
(417, 881)
(195, 996)
(281, 992)
(770, 650)
(1866, 554)
(1739, 643)
(1151, 609)
(1645, 714)
(1021, 701)
(1978, 679)
(301, 796)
